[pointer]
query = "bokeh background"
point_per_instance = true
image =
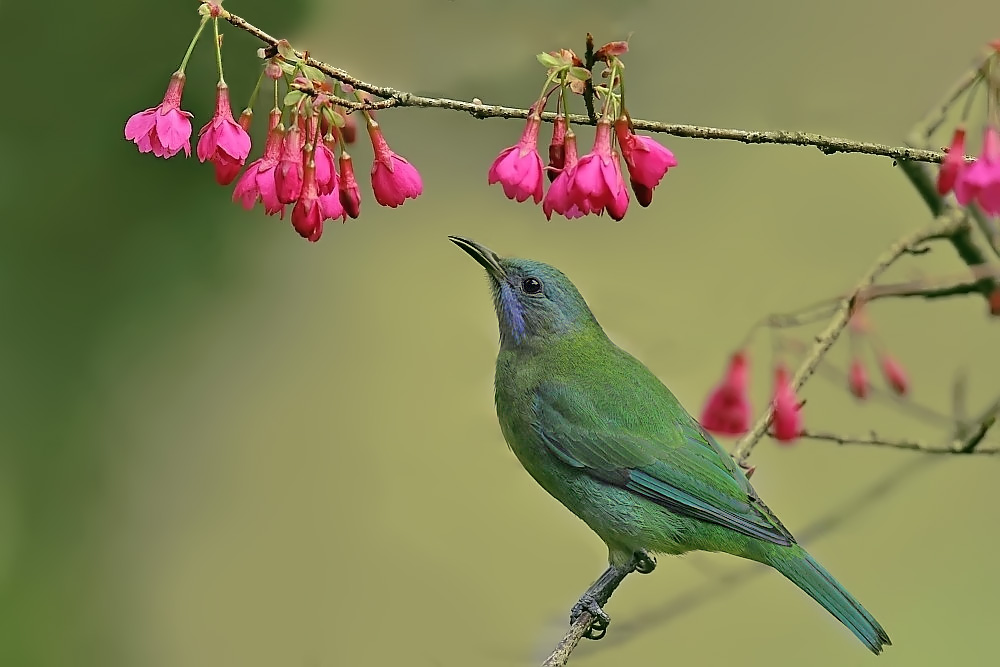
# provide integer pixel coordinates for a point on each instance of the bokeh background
(222, 445)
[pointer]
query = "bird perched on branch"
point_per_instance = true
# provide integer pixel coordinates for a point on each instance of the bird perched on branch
(598, 431)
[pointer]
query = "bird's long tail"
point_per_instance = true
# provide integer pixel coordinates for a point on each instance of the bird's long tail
(796, 564)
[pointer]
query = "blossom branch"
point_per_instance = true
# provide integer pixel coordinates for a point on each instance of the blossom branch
(398, 98)
(954, 222)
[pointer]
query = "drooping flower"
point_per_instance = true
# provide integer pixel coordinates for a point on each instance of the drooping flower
(307, 215)
(288, 174)
(257, 182)
(394, 180)
(557, 199)
(326, 168)
(348, 191)
(646, 159)
(727, 410)
(857, 379)
(597, 182)
(953, 163)
(980, 181)
(164, 129)
(787, 424)
(222, 141)
(894, 374)
(518, 169)
(557, 147)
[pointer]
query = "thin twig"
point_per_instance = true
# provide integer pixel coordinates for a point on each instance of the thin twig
(958, 447)
(399, 98)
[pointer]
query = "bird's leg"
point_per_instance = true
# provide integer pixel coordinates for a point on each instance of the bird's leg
(591, 602)
(600, 591)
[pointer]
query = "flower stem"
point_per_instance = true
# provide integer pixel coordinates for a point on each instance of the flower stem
(256, 90)
(194, 40)
(218, 50)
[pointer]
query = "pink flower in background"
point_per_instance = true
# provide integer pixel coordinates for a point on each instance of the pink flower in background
(857, 379)
(307, 215)
(164, 129)
(894, 374)
(518, 169)
(787, 424)
(394, 180)
(557, 198)
(597, 181)
(953, 163)
(349, 193)
(727, 410)
(646, 159)
(222, 141)
(980, 181)
(288, 173)
(257, 182)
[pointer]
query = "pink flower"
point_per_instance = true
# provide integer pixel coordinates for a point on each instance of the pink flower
(349, 194)
(326, 168)
(557, 147)
(980, 181)
(953, 162)
(394, 180)
(257, 182)
(164, 129)
(787, 413)
(894, 374)
(307, 215)
(857, 379)
(222, 141)
(647, 161)
(518, 169)
(288, 173)
(557, 199)
(727, 410)
(597, 182)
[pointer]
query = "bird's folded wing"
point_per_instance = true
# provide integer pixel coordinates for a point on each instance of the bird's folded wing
(681, 469)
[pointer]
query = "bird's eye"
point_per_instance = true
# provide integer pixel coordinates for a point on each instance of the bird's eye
(531, 285)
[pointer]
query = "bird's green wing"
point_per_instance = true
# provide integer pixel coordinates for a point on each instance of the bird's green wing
(683, 469)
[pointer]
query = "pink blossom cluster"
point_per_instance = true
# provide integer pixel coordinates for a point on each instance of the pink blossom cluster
(305, 165)
(591, 184)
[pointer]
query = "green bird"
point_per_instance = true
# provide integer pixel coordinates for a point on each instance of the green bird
(598, 431)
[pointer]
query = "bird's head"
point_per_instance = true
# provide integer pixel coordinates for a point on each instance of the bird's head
(535, 302)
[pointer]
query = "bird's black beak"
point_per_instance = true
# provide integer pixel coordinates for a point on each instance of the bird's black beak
(488, 259)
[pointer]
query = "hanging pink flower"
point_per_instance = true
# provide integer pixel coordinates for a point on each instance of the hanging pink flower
(597, 180)
(165, 129)
(257, 182)
(518, 169)
(727, 410)
(394, 180)
(787, 424)
(222, 141)
(953, 163)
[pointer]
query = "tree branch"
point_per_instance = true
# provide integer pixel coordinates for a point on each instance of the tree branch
(952, 223)
(398, 98)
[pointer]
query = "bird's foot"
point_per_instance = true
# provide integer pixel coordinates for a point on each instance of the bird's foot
(644, 562)
(599, 626)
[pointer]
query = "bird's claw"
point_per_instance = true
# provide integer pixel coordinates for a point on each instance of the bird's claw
(599, 626)
(644, 562)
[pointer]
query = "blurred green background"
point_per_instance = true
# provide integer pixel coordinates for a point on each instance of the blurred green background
(222, 445)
